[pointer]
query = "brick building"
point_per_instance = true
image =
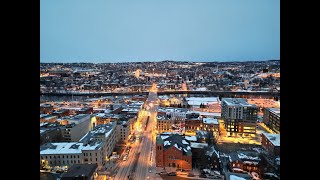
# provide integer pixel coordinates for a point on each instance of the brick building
(173, 150)
(271, 143)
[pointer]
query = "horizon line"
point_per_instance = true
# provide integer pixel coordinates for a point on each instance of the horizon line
(222, 61)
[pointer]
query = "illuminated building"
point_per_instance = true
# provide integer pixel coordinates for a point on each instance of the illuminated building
(239, 116)
(271, 118)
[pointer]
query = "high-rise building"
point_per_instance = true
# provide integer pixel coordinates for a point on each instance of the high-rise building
(239, 116)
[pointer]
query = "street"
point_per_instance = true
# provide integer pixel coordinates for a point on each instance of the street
(140, 159)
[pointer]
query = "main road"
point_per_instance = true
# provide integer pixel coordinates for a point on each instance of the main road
(140, 158)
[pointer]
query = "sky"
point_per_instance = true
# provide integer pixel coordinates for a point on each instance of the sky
(102, 31)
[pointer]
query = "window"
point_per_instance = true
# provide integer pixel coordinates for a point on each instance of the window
(63, 161)
(67, 156)
(50, 157)
(67, 161)
(71, 161)
(62, 156)
(96, 159)
(41, 157)
(90, 154)
(96, 154)
(79, 161)
(46, 157)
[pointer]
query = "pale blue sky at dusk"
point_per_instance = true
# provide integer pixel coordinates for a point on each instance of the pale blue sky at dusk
(154, 30)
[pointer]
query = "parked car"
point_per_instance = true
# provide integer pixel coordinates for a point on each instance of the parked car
(172, 174)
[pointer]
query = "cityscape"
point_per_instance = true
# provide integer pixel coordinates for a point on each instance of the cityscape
(159, 90)
(160, 120)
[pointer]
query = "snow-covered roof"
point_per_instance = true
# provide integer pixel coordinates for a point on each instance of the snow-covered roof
(273, 138)
(176, 145)
(191, 138)
(198, 145)
(166, 143)
(196, 101)
(250, 162)
(184, 142)
(210, 121)
(237, 102)
(211, 151)
(244, 156)
(61, 148)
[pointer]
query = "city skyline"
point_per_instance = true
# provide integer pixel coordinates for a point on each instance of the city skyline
(107, 32)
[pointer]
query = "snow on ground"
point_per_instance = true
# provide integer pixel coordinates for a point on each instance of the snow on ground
(196, 101)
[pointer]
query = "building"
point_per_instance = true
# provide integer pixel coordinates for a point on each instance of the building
(61, 112)
(47, 118)
(244, 161)
(81, 172)
(46, 108)
(50, 132)
(239, 116)
(102, 118)
(173, 150)
(193, 122)
(212, 125)
(271, 118)
(99, 144)
(271, 143)
(77, 127)
(123, 130)
(164, 124)
(61, 154)
(86, 110)
(213, 157)
(95, 147)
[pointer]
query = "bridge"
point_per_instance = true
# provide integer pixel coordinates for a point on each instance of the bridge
(237, 94)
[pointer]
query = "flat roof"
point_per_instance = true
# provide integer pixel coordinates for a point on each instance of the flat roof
(273, 138)
(79, 170)
(237, 102)
(210, 121)
(61, 148)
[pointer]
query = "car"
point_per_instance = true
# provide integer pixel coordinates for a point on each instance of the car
(172, 174)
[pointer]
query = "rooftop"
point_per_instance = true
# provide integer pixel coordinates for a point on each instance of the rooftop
(175, 140)
(92, 137)
(275, 111)
(273, 138)
(198, 145)
(80, 170)
(237, 102)
(210, 121)
(61, 148)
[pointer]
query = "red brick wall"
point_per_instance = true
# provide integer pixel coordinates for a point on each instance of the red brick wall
(159, 156)
(266, 144)
(186, 161)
